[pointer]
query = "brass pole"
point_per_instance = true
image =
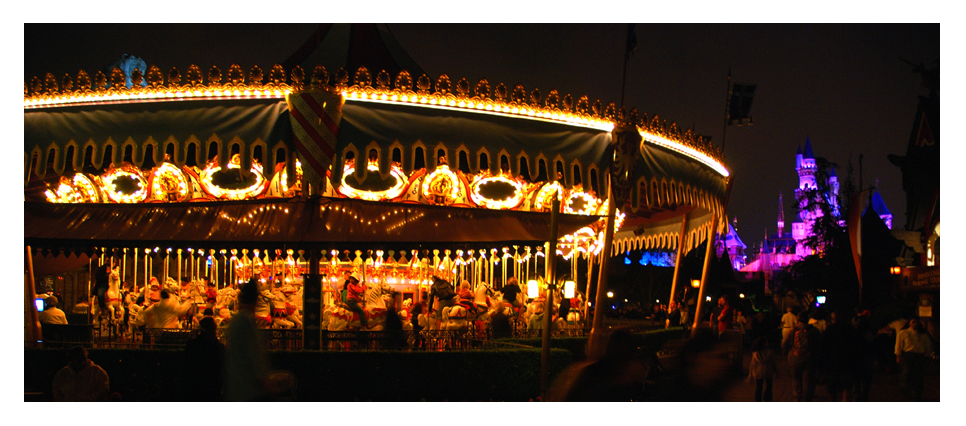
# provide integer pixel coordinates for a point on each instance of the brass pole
(34, 333)
(551, 262)
(595, 347)
(677, 258)
(704, 273)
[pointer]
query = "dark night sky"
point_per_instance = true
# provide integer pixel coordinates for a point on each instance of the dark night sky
(842, 85)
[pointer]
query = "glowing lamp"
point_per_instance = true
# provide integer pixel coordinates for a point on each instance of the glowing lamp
(708, 298)
(896, 270)
(533, 289)
(742, 295)
(695, 283)
(610, 294)
(569, 287)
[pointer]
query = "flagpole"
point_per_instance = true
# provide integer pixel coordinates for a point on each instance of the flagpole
(724, 131)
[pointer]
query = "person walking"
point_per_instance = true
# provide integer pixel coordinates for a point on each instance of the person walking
(913, 351)
(247, 363)
(802, 349)
(788, 326)
(763, 369)
(204, 357)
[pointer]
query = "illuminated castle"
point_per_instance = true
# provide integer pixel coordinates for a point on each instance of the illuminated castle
(782, 248)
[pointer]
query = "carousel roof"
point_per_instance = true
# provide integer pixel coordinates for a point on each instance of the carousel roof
(396, 120)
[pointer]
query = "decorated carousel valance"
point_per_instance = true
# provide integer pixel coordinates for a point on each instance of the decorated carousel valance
(380, 138)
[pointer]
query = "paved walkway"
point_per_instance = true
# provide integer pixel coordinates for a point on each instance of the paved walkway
(885, 385)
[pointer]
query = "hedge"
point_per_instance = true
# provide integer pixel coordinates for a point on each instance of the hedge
(653, 339)
(499, 375)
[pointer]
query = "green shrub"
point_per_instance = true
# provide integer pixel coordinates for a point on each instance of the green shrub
(499, 375)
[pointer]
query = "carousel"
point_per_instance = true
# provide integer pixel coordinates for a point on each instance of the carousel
(198, 183)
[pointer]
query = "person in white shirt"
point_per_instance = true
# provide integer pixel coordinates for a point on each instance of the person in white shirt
(165, 313)
(913, 350)
(52, 314)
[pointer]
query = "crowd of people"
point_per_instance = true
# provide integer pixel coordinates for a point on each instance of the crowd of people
(839, 348)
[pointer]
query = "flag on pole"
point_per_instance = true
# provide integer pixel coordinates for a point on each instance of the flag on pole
(631, 41)
(856, 205)
(315, 117)
(739, 104)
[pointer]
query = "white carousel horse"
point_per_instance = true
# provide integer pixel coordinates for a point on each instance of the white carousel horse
(285, 314)
(455, 318)
(338, 318)
(113, 300)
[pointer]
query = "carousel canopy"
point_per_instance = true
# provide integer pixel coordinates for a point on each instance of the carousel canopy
(317, 223)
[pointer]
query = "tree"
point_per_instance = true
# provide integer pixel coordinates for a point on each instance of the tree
(831, 269)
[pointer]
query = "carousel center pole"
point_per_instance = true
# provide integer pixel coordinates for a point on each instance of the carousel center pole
(551, 262)
(595, 347)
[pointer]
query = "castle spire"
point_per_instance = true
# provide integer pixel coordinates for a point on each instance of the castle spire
(781, 216)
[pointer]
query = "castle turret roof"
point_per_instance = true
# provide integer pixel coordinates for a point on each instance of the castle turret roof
(808, 149)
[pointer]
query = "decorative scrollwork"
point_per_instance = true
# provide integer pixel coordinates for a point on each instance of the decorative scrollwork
(443, 85)
(194, 76)
(320, 77)
(568, 103)
(277, 76)
(500, 92)
(482, 89)
(255, 76)
(214, 75)
(118, 80)
(362, 78)
(424, 85)
(535, 98)
(174, 77)
(633, 117)
(298, 78)
(382, 80)
(68, 84)
(597, 109)
(553, 99)
(463, 88)
(36, 86)
(404, 82)
(83, 81)
(236, 77)
(154, 77)
(519, 94)
(583, 105)
(341, 78)
(136, 78)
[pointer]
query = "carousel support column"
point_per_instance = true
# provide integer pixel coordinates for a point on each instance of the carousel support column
(590, 277)
(134, 277)
(551, 262)
(179, 266)
(677, 258)
(312, 304)
(595, 347)
(34, 335)
(704, 273)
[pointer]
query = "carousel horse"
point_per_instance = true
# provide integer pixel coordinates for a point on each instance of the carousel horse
(455, 318)
(405, 314)
(285, 314)
(113, 303)
(339, 318)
